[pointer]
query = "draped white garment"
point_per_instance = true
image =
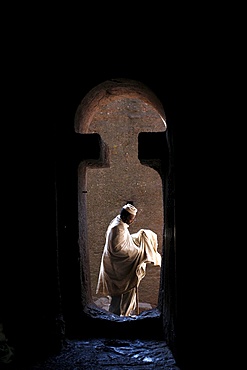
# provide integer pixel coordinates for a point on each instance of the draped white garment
(124, 258)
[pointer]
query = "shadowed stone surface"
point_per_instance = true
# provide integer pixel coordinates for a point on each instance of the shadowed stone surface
(111, 354)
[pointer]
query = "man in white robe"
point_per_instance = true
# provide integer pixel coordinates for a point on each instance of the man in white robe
(123, 262)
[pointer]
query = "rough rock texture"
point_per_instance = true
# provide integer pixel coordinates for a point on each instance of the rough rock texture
(110, 354)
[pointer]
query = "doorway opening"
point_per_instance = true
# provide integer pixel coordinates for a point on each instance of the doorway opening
(127, 124)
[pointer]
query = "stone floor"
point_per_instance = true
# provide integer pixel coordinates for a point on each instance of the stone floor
(98, 354)
(105, 353)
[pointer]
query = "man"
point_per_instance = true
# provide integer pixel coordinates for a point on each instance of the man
(123, 262)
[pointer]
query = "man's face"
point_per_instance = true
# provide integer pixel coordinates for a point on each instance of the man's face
(130, 219)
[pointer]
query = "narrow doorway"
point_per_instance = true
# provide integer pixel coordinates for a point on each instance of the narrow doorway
(124, 179)
(119, 111)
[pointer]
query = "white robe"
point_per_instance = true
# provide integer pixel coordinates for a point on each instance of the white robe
(124, 258)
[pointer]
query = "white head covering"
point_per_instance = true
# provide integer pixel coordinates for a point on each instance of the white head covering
(130, 208)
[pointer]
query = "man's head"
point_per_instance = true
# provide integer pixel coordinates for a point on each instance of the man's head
(128, 213)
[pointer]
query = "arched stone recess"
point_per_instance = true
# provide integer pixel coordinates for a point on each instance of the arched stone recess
(134, 164)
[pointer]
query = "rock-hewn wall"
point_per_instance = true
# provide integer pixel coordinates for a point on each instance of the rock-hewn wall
(126, 179)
